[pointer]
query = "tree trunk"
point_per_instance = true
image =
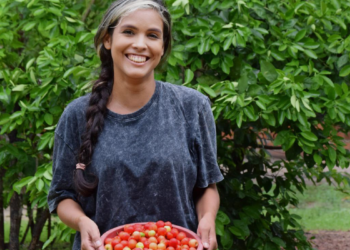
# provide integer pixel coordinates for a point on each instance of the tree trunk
(15, 224)
(2, 219)
(41, 217)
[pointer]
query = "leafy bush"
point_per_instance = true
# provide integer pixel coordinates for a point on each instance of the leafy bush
(275, 70)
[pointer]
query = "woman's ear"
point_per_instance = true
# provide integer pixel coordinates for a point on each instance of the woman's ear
(107, 41)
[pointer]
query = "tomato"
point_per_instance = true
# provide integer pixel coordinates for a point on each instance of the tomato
(160, 223)
(153, 246)
(146, 243)
(180, 236)
(126, 248)
(118, 247)
(161, 238)
(170, 248)
(108, 241)
(140, 245)
(132, 243)
(169, 235)
(129, 229)
(192, 248)
(193, 243)
(115, 241)
(168, 229)
(173, 242)
(136, 235)
(153, 226)
(152, 239)
(168, 223)
(108, 246)
(124, 243)
(175, 232)
(124, 235)
(161, 246)
(161, 231)
(185, 241)
(151, 233)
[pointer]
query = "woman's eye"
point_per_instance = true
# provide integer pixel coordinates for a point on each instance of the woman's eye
(153, 35)
(127, 31)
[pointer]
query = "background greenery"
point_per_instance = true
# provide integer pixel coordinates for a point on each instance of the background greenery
(276, 71)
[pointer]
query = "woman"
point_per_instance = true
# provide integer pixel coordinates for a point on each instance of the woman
(140, 150)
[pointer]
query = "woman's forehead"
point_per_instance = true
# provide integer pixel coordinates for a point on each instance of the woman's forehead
(142, 17)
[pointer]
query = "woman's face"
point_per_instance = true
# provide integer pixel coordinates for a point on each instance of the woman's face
(136, 44)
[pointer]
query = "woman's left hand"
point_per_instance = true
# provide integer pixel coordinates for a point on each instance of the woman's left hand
(206, 231)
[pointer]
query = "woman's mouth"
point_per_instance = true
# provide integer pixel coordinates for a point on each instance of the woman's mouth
(137, 58)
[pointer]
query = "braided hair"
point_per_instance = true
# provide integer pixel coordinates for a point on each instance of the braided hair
(84, 184)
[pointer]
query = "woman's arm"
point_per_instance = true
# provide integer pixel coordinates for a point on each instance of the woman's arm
(207, 202)
(71, 214)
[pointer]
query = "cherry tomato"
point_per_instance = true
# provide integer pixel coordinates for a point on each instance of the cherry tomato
(180, 236)
(118, 247)
(193, 243)
(160, 223)
(108, 241)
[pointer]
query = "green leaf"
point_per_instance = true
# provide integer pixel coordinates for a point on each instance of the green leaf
(300, 35)
(29, 63)
(278, 241)
(268, 71)
(29, 26)
(332, 154)
(228, 42)
(19, 184)
(223, 218)
(188, 75)
(39, 184)
(309, 135)
(20, 87)
(48, 118)
(317, 158)
(345, 71)
(215, 48)
(310, 53)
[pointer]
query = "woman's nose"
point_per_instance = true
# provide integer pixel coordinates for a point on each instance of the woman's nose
(140, 42)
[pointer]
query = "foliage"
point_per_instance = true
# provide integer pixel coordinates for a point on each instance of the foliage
(275, 71)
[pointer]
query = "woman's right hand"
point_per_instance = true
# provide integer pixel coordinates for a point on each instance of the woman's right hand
(90, 234)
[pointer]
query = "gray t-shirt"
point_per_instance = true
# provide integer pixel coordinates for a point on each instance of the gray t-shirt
(147, 162)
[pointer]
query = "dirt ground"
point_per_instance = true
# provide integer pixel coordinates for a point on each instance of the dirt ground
(330, 240)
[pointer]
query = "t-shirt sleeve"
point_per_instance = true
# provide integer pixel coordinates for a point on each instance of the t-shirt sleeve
(64, 159)
(208, 169)
(62, 174)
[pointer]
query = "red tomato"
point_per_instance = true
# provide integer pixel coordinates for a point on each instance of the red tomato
(193, 243)
(180, 236)
(185, 247)
(146, 232)
(124, 235)
(153, 226)
(173, 242)
(192, 248)
(168, 223)
(118, 247)
(132, 243)
(146, 243)
(128, 228)
(115, 241)
(124, 243)
(169, 235)
(151, 233)
(160, 223)
(175, 232)
(143, 239)
(108, 241)
(161, 231)
(185, 241)
(160, 238)
(170, 248)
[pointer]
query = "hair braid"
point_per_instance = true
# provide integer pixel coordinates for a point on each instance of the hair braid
(95, 114)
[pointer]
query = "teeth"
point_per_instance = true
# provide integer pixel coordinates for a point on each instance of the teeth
(137, 58)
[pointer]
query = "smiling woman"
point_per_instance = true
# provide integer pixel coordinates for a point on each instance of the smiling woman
(135, 149)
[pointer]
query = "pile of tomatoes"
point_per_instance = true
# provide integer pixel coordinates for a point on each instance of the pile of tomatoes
(151, 236)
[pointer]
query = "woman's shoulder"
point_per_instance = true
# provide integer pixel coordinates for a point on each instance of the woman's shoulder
(185, 95)
(73, 116)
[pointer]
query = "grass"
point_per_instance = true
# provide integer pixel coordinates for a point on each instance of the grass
(323, 208)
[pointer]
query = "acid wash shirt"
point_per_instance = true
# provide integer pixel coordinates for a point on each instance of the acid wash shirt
(148, 162)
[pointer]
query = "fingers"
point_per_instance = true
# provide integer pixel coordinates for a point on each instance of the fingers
(204, 235)
(90, 238)
(212, 240)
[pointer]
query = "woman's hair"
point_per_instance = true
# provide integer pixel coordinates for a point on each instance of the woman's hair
(102, 88)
